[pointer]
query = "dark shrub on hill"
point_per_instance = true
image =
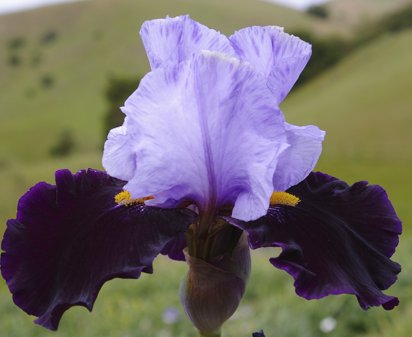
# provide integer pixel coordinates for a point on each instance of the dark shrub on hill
(64, 144)
(318, 11)
(49, 37)
(16, 43)
(400, 20)
(47, 81)
(117, 91)
(14, 60)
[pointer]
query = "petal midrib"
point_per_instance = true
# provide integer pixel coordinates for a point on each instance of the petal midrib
(211, 195)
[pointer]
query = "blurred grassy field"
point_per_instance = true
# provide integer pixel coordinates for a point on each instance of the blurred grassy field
(364, 104)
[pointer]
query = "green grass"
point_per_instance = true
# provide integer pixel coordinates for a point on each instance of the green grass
(363, 104)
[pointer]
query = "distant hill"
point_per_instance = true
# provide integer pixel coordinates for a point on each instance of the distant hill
(358, 13)
(347, 17)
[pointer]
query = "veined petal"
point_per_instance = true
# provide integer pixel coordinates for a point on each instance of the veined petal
(68, 239)
(210, 133)
(300, 158)
(119, 160)
(173, 40)
(337, 239)
(280, 57)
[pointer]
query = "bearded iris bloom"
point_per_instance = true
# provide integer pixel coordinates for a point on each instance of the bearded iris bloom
(204, 167)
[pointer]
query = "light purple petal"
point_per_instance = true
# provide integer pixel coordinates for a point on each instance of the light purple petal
(300, 158)
(119, 160)
(280, 57)
(172, 40)
(210, 133)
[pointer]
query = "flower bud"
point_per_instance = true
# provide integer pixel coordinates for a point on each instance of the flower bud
(212, 290)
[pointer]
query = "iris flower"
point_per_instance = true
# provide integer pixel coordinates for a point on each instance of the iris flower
(203, 167)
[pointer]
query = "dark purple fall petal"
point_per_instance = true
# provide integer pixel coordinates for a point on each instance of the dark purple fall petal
(174, 248)
(337, 240)
(68, 240)
(258, 334)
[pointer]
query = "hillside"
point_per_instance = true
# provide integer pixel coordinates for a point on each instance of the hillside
(358, 13)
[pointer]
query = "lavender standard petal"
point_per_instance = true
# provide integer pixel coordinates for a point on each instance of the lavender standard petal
(173, 40)
(209, 132)
(175, 129)
(280, 57)
(300, 158)
(68, 239)
(119, 159)
(338, 239)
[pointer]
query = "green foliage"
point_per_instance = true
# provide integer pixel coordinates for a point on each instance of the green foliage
(14, 60)
(16, 43)
(398, 21)
(47, 81)
(117, 91)
(14, 46)
(318, 11)
(49, 37)
(64, 145)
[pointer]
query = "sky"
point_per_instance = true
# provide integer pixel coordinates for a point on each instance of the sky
(8, 6)
(299, 4)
